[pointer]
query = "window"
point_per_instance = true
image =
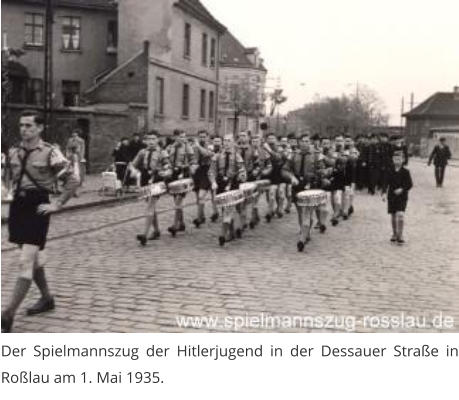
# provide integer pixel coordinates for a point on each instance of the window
(202, 112)
(159, 96)
(187, 48)
(71, 93)
(71, 27)
(34, 29)
(213, 52)
(35, 91)
(211, 105)
(112, 35)
(204, 49)
(186, 101)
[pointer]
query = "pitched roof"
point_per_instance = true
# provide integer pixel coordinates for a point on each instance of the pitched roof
(92, 4)
(234, 54)
(440, 104)
(197, 9)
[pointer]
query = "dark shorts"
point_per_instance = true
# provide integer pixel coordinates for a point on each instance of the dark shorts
(146, 179)
(201, 178)
(396, 204)
(221, 185)
(25, 226)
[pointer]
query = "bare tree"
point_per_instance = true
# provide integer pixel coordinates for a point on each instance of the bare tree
(355, 113)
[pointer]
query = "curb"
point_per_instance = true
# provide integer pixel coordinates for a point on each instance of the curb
(96, 203)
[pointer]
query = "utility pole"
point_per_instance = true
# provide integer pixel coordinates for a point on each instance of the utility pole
(412, 101)
(48, 71)
(402, 111)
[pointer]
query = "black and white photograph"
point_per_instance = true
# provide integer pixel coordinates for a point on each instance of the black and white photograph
(211, 166)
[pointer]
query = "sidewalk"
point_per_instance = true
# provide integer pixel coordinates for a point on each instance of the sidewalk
(88, 196)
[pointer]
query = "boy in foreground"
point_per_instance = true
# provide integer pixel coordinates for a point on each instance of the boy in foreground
(396, 188)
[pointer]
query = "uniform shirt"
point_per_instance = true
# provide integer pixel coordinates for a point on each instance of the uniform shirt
(152, 160)
(260, 163)
(203, 155)
(246, 153)
(302, 165)
(440, 155)
(45, 164)
(227, 164)
(181, 156)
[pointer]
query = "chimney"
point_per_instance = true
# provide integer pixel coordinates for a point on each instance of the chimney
(456, 92)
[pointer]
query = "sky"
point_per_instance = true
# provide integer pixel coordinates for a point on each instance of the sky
(329, 47)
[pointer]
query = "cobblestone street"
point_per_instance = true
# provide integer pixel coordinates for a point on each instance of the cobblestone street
(104, 282)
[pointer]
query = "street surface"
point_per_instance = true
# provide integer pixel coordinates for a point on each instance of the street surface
(104, 282)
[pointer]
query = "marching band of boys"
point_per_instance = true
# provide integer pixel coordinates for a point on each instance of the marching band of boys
(287, 166)
(336, 165)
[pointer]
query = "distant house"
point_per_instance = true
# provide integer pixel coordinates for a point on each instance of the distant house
(242, 86)
(439, 113)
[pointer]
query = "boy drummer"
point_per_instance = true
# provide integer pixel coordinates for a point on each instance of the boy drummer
(35, 166)
(396, 187)
(202, 184)
(153, 164)
(183, 164)
(226, 172)
(261, 169)
(300, 170)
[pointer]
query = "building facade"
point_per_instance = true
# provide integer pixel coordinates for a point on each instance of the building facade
(183, 41)
(242, 87)
(84, 46)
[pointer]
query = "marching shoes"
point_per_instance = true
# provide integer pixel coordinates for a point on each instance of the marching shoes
(300, 246)
(351, 210)
(7, 323)
(142, 240)
(41, 306)
(198, 222)
(214, 217)
(155, 236)
(172, 231)
(221, 241)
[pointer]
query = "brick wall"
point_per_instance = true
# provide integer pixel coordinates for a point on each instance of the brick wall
(127, 84)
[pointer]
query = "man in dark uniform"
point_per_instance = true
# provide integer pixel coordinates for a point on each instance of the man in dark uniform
(35, 166)
(153, 164)
(440, 156)
(373, 164)
(135, 145)
(385, 157)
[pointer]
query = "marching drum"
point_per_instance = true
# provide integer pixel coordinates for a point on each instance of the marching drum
(263, 185)
(182, 186)
(249, 189)
(230, 199)
(312, 198)
(153, 190)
